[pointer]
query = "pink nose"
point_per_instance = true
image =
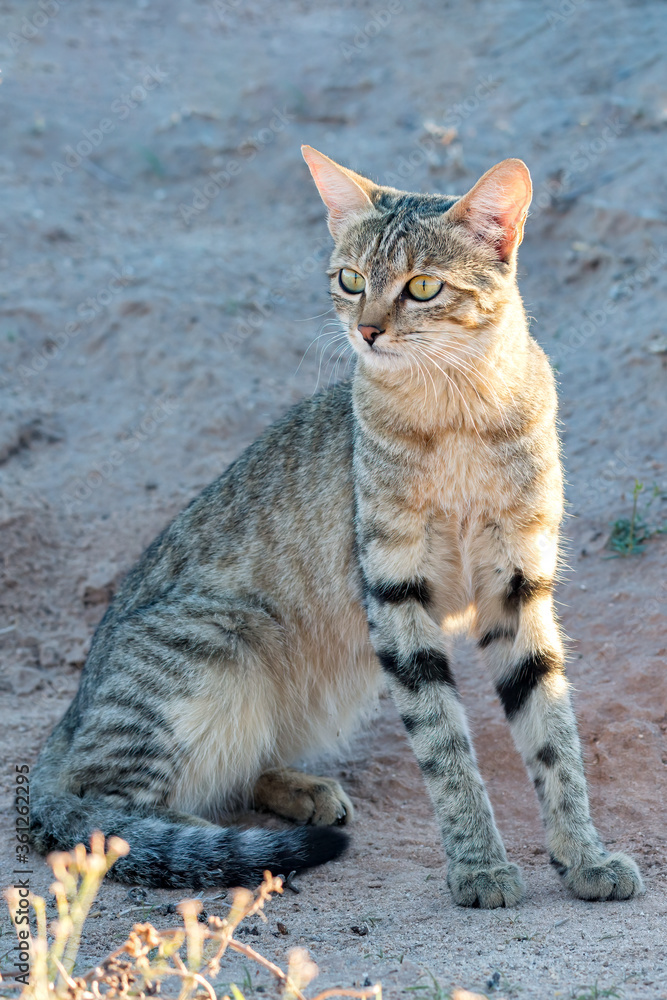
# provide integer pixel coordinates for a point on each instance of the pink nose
(369, 333)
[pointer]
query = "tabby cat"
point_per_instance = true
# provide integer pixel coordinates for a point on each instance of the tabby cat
(336, 555)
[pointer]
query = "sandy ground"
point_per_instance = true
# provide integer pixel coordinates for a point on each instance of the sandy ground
(161, 253)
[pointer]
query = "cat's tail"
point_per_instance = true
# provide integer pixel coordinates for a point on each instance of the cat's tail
(168, 854)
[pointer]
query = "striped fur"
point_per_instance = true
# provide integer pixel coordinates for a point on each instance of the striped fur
(335, 555)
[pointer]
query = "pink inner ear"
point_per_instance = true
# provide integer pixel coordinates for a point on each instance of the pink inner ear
(496, 208)
(338, 190)
(340, 195)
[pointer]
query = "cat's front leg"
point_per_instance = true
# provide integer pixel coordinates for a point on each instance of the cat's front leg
(517, 630)
(411, 648)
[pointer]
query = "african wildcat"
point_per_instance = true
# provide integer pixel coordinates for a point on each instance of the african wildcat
(326, 559)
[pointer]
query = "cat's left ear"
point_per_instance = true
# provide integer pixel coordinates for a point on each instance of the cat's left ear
(345, 193)
(495, 209)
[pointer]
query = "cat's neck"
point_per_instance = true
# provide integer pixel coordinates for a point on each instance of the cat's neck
(470, 387)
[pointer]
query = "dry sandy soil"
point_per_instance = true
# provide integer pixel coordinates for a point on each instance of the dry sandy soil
(152, 322)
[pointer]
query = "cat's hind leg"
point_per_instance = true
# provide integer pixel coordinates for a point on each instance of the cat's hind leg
(304, 798)
(230, 720)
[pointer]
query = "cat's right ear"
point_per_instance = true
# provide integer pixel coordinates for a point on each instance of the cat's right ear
(345, 193)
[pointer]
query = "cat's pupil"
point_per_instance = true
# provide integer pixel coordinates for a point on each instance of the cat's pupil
(351, 280)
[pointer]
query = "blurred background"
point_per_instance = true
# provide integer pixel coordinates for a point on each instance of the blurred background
(162, 298)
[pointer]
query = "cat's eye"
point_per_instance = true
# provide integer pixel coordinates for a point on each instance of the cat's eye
(424, 287)
(351, 280)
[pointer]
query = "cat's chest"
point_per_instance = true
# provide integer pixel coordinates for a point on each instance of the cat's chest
(467, 479)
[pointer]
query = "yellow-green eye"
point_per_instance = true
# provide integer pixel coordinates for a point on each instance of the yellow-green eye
(351, 280)
(424, 287)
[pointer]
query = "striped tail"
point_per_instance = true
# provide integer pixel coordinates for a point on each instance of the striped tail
(171, 855)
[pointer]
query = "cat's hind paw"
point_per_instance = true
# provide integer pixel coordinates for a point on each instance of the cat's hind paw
(331, 806)
(303, 798)
(487, 888)
(614, 877)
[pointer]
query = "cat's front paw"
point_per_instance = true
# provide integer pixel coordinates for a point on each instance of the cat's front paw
(615, 876)
(487, 888)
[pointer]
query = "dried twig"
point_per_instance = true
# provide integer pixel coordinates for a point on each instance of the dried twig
(138, 967)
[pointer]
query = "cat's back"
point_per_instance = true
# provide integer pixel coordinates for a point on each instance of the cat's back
(289, 494)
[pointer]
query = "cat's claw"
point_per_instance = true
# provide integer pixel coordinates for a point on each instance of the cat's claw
(487, 888)
(613, 877)
(331, 806)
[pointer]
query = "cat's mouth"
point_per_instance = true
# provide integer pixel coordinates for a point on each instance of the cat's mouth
(381, 350)
(377, 353)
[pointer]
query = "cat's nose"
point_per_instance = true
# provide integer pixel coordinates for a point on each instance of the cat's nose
(369, 333)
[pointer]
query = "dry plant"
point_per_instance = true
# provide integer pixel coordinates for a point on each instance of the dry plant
(149, 957)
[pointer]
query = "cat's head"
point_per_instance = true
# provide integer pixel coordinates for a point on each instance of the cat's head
(416, 273)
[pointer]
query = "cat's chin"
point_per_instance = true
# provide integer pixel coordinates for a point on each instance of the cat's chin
(383, 359)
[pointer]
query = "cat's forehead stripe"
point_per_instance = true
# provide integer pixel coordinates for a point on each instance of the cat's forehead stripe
(390, 241)
(420, 204)
(404, 216)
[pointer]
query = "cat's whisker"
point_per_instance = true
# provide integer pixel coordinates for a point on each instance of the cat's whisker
(307, 319)
(421, 372)
(435, 391)
(494, 397)
(335, 377)
(332, 343)
(475, 351)
(326, 331)
(497, 371)
(327, 355)
(454, 363)
(453, 383)
(425, 372)
(343, 355)
(412, 371)
(449, 360)
(320, 335)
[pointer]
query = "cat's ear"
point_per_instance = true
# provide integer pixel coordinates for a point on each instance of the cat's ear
(496, 208)
(345, 193)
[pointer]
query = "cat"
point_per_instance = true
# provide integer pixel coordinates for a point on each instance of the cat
(333, 557)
